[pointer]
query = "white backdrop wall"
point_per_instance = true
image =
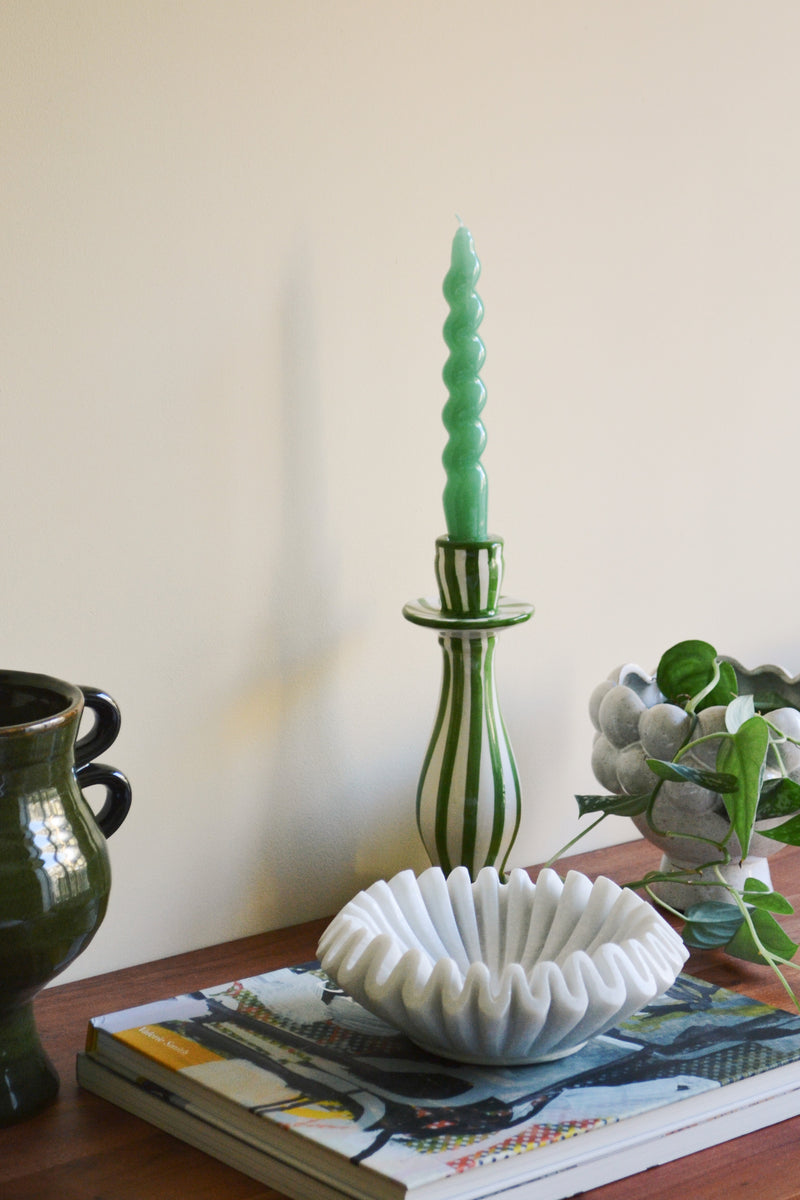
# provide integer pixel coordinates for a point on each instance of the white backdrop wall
(224, 230)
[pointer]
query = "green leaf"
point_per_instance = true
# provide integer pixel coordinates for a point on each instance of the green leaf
(772, 937)
(759, 895)
(712, 912)
(685, 669)
(713, 781)
(724, 692)
(744, 755)
(706, 937)
(620, 806)
(711, 924)
(779, 798)
(788, 832)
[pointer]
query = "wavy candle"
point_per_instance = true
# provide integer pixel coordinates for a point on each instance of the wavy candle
(466, 490)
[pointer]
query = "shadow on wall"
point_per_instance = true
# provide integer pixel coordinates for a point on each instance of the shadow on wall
(284, 720)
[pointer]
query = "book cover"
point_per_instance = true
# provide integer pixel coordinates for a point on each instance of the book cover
(176, 1116)
(289, 1064)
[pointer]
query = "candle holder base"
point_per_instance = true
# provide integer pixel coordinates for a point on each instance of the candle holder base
(468, 798)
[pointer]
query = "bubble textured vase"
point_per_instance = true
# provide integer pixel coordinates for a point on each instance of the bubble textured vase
(634, 722)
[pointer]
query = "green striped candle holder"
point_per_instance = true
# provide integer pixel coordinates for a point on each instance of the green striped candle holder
(468, 798)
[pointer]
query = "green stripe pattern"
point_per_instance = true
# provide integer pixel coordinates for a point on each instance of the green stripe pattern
(468, 799)
(469, 575)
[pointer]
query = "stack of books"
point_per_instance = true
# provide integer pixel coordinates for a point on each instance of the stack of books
(286, 1078)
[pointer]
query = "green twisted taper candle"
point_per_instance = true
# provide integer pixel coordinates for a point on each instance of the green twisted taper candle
(466, 490)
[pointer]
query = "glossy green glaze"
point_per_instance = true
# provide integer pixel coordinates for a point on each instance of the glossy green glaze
(54, 868)
(466, 491)
(468, 797)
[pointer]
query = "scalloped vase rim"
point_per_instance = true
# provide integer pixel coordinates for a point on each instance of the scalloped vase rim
(765, 667)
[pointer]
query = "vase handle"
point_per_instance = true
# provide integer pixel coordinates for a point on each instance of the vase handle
(102, 734)
(118, 794)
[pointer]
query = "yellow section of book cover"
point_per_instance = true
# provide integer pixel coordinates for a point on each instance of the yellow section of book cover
(166, 1046)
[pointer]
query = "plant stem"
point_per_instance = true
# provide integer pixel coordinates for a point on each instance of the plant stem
(782, 734)
(662, 903)
(772, 960)
(692, 704)
(560, 853)
(679, 876)
(706, 737)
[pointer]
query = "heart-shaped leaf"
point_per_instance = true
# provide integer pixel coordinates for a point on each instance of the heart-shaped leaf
(759, 895)
(619, 806)
(773, 938)
(779, 798)
(744, 755)
(673, 772)
(691, 675)
(725, 690)
(685, 669)
(711, 924)
(738, 711)
(788, 832)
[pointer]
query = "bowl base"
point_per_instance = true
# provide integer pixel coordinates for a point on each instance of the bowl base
(501, 1060)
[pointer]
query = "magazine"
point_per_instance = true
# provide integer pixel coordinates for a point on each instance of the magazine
(284, 1070)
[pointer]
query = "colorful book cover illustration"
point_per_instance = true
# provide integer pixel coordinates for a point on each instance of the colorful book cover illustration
(291, 1047)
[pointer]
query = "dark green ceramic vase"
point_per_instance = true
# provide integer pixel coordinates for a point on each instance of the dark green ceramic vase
(54, 869)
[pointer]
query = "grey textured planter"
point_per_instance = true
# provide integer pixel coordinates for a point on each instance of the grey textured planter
(633, 722)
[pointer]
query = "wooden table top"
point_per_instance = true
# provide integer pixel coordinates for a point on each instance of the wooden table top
(83, 1148)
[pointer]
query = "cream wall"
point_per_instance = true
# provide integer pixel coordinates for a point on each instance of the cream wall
(224, 230)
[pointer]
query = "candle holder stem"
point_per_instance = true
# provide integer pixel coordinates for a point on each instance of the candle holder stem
(468, 798)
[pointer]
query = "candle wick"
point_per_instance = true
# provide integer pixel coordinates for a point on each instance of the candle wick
(458, 218)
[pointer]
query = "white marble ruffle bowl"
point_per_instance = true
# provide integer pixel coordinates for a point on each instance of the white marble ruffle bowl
(500, 973)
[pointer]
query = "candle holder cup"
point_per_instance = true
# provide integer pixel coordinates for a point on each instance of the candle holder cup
(468, 797)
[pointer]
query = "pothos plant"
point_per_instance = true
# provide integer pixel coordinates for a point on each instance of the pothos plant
(692, 678)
